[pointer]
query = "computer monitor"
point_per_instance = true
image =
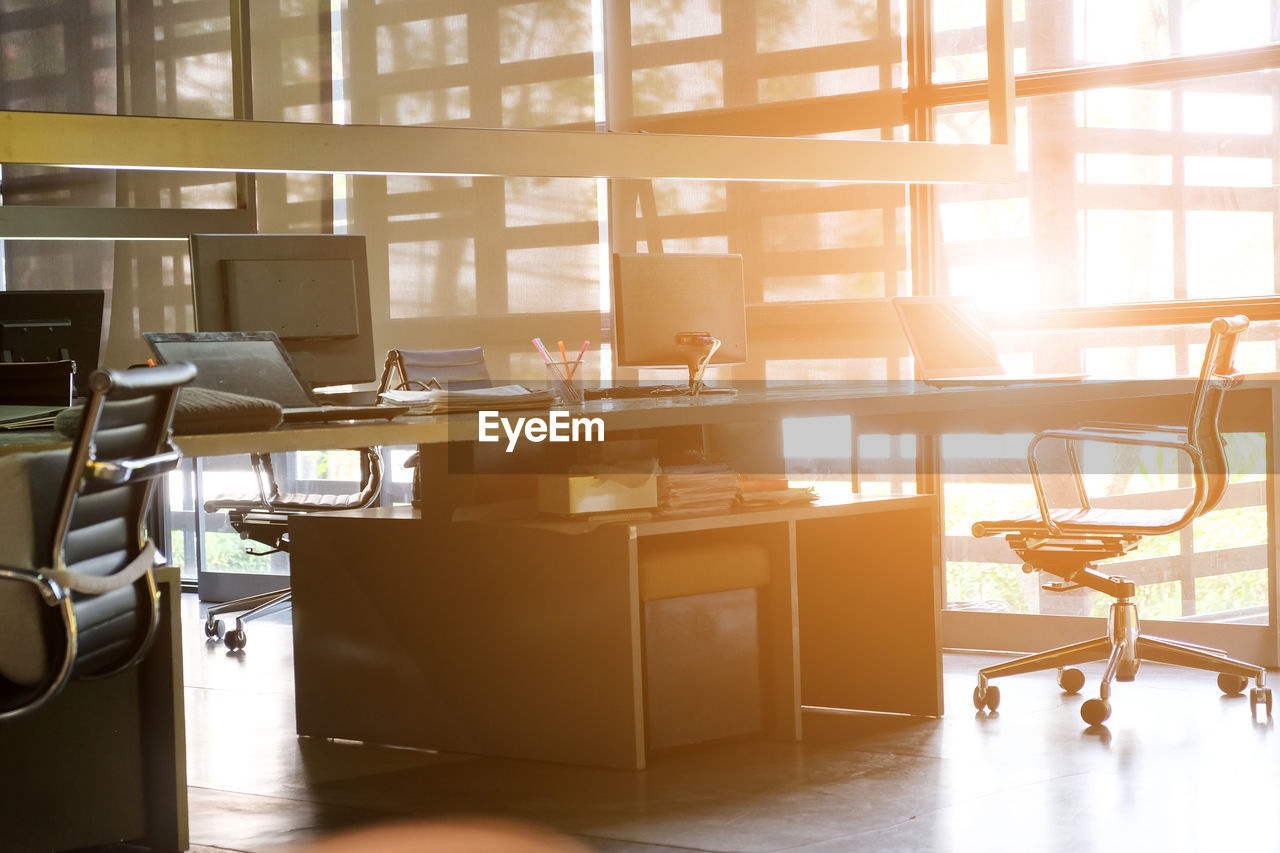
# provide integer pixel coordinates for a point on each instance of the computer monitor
(53, 325)
(659, 296)
(312, 290)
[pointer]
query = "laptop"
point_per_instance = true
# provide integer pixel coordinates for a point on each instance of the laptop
(255, 364)
(953, 346)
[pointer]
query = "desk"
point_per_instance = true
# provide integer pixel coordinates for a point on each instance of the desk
(875, 407)
(527, 639)
(347, 557)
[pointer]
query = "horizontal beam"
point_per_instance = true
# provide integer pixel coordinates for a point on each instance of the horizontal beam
(228, 145)
(59, 222)
(803, 117)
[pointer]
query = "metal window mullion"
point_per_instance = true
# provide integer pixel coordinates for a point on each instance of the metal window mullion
(924, 240)
(242, 100)
(200, 528)
(1178, 210)
(488, 208)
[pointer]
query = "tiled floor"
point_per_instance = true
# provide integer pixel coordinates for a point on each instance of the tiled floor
(1178, 767)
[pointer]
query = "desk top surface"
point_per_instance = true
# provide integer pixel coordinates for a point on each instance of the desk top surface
(524, 513)
(876, 404)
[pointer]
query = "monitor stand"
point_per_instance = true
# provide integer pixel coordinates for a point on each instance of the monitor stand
(698, 348)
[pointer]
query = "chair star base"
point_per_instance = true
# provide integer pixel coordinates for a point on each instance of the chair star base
(1124, 648)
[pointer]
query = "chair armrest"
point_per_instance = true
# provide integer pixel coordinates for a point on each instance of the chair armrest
(1134, 433)
(1116, 426)
(1108, 436)
(129, 470)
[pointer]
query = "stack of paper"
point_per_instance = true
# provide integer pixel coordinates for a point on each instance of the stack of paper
(772, 491)
(779, 497)
(694, 489)
(28, 417)
(442, 401)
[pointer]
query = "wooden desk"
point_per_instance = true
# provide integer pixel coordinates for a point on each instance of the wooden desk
(527, 639)
(875, 406)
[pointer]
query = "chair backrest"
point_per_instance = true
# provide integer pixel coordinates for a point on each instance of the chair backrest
(1217, 376)
(269, 497)
(90, 629)
(452, 368)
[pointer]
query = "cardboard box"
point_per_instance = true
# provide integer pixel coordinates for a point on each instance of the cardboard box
(702, 668)
(599, 489)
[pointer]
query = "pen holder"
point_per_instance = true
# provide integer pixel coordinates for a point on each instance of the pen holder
(564, 380)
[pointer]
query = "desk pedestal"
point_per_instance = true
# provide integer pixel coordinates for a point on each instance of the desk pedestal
(527, 640)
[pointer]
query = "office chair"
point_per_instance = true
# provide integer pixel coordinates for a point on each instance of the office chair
(1071, 542)
(77, 597)
(420, 369)
(413, 369)
(263, 517)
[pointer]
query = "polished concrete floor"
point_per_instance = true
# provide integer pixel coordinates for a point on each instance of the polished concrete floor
(1178, 767)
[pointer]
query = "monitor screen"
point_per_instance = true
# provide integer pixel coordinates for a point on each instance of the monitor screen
(312, 290)
(52, 325)
(657, 296)
(240, 363)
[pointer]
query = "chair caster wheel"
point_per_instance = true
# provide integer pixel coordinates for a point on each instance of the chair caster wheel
(214, 628)
(1232, 685)
(988, 698)
(1070, 680)
(1095, 711)
(235, 640)
(1260, 696)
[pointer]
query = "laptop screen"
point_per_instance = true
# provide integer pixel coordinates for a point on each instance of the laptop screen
(948, 336)
(249, 363)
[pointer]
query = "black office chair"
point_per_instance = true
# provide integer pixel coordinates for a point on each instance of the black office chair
(263, 517)
(79, 599)
(1071, 542)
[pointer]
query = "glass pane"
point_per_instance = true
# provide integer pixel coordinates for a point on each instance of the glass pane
(1057, 34)
(690, 55)
(1130, 195)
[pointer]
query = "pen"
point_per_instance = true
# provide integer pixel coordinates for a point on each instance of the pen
(581, 353)
(563, 355)
(537, 342)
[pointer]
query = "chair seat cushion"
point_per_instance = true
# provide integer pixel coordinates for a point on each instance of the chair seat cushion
(676, 569)
(286, 502)
(200, 411)
(1118, 519)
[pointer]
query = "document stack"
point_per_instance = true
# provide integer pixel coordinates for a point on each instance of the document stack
(28, 417)
(772, 491)
(697, 489)
(442, 401)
